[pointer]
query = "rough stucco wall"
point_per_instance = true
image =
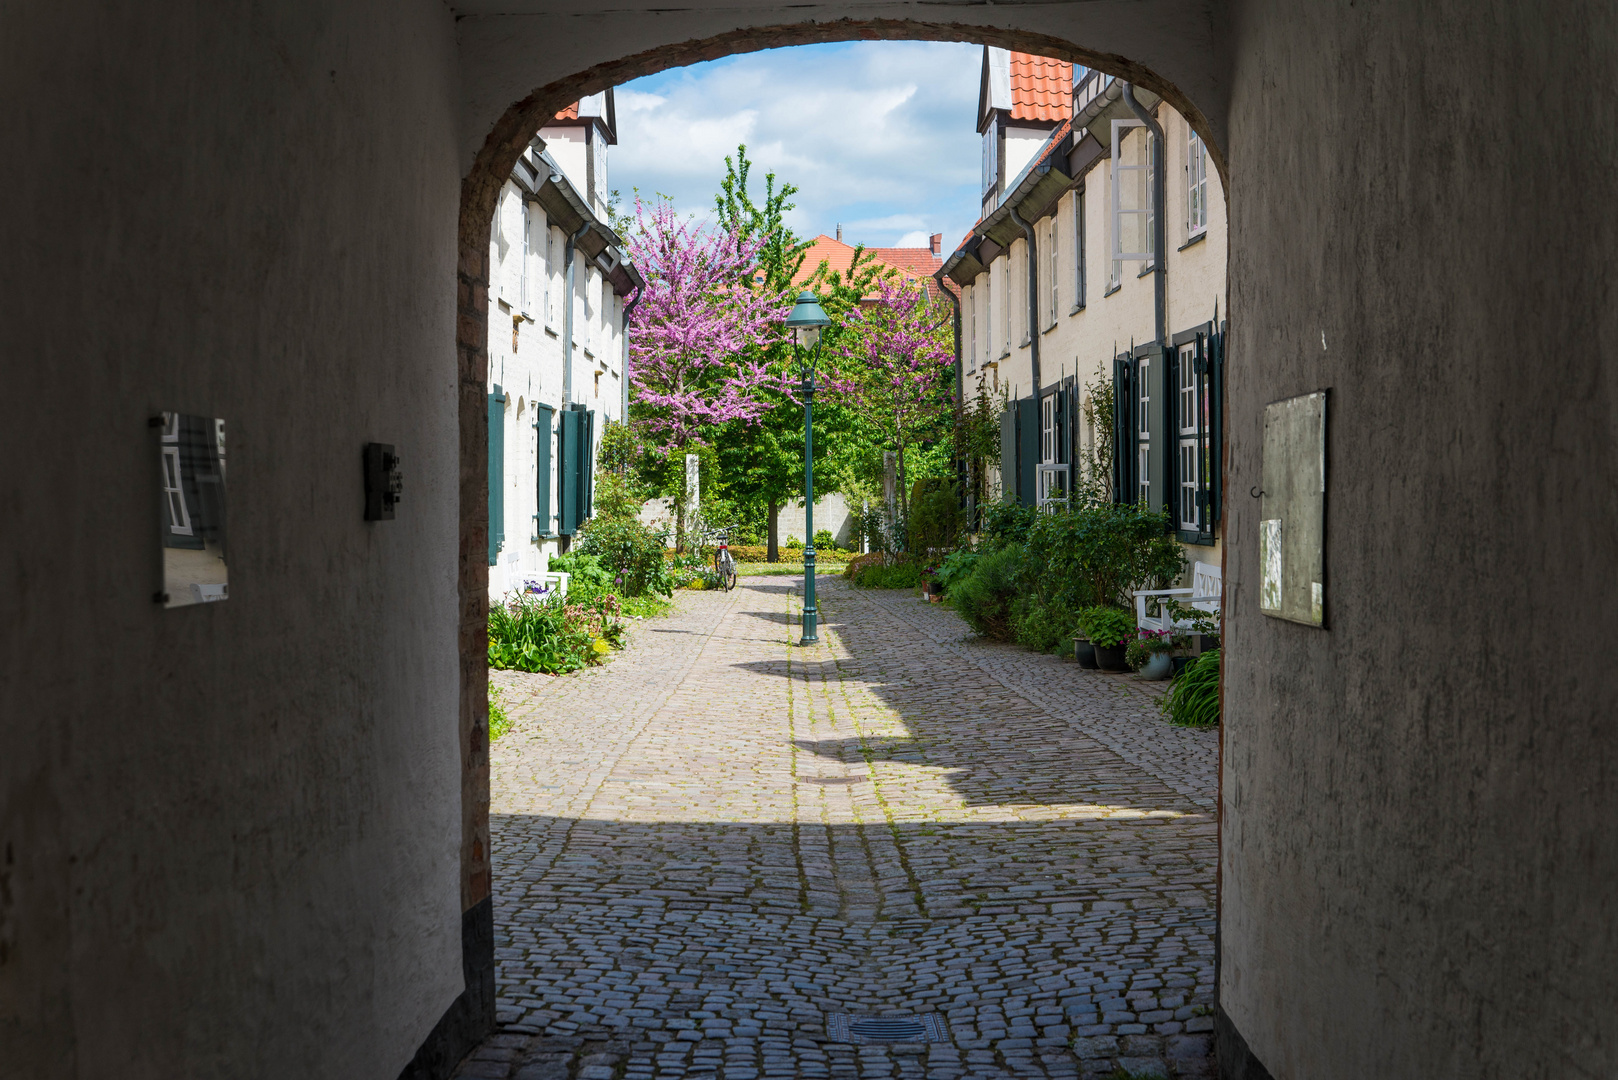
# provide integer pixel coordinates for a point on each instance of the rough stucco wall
(1418, 848)
(230, 833)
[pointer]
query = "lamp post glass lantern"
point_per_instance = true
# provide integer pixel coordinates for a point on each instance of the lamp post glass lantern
(805, 322)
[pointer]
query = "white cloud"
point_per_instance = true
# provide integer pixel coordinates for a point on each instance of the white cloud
(876, 135)
(913, 239)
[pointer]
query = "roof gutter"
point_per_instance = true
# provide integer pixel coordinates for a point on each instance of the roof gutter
(1159, 260)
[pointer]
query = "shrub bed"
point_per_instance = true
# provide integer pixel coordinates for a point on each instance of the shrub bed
(900, 575)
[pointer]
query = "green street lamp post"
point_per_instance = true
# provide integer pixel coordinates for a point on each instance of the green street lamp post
(805, 322)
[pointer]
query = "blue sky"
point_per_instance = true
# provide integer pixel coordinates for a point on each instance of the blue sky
(876, 135)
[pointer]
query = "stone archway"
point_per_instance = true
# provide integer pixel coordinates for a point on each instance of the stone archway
(508, 134)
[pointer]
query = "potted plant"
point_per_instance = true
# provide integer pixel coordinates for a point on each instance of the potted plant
(1148, 655)
(1108, 629)
(1083, 651)
(1202, 632)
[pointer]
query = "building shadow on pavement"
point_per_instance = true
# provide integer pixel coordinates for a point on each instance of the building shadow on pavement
(621, 942)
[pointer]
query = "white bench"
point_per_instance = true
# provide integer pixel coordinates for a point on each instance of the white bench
(553, 582)
(1206, 594)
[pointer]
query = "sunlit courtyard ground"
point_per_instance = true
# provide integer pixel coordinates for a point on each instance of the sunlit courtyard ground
(717, 842)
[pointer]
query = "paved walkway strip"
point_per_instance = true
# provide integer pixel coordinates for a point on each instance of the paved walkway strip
(710, 846)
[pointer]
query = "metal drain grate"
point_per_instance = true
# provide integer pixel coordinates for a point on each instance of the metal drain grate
(866, 1028)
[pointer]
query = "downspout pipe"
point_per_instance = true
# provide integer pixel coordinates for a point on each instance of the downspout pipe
(570, 278)
(1033, 295)
(1159, 257)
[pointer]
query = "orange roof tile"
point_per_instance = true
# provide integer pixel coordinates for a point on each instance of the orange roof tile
(1041, 88)
(569, 113)
(916, 263)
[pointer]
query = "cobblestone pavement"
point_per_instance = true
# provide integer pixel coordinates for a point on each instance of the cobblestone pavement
(709, 845)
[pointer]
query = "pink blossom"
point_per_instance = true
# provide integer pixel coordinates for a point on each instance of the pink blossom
(693, 334)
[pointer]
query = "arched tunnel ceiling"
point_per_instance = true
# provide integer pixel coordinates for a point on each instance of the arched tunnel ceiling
(540, 54)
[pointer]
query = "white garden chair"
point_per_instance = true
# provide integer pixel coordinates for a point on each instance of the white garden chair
(554, 582)
(1206, 593)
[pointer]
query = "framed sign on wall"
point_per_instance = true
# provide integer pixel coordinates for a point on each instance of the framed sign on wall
(1292, 516)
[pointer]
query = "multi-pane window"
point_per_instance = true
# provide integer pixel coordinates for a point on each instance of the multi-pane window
(1196, 185)
(1133, 212)
(1188, 420)
(972, 356)
(1143, 433)
(551, 262)
(1078, 249)
(527, 252)
(1006, 303)
(1051, 488)
(1055, 276)
(173, 482)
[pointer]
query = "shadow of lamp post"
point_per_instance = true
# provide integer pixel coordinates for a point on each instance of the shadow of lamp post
(805, 322)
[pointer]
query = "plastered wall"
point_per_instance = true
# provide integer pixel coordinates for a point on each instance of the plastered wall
(233, 834)
(230, 833)
(1418, 844)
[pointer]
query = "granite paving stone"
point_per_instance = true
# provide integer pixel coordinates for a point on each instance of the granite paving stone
(713, 841)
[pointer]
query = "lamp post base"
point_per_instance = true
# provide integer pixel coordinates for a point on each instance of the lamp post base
(811, 612)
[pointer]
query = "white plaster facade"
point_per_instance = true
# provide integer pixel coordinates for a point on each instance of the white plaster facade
(543, 215)
(1091, 308)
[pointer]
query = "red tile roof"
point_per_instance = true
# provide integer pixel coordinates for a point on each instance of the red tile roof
(569, 113)
(916, 263)
(1041, 88)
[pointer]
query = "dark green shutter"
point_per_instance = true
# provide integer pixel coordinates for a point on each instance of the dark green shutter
(1008, 455)
(567, 473)
(1028, 450)
(543, 433)
(587, 471)
(1216, 429)
(1123, 429)
(497, 474)
(1157, 437)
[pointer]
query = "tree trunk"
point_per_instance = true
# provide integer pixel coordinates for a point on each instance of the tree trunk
(773, 554)
(904, 491)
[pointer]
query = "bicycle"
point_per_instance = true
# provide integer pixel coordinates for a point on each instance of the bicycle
(724, 565)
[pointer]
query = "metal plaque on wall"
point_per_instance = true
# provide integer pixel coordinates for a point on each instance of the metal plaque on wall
(1292, 516)
(191, 464)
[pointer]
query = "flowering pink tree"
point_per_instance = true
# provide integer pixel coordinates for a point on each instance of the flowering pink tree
(694, 340)
(894, 359)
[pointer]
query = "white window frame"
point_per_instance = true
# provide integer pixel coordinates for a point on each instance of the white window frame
(174, 488)
(1120, 129)
(1051, 487)
(1020, 287)
(1056, 277)
(1190, 441)
(550, 285)
(527, 253)
(1143, 419)
(1196, 185)
(1008, 292)
(972, 358)
(1078, 250)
